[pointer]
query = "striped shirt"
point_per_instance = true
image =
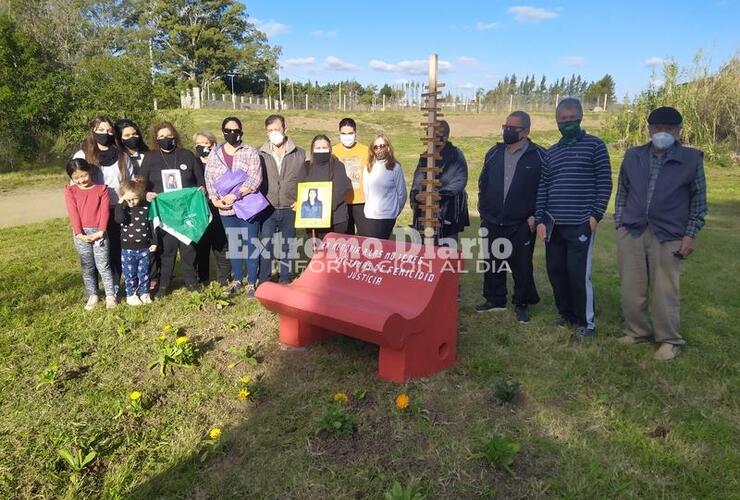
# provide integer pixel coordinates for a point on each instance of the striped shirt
(576, 181)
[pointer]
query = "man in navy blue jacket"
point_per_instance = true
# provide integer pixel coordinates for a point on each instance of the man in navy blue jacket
(573, 194)
(507, 195)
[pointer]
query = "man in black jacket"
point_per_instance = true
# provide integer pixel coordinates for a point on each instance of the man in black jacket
(507, 195)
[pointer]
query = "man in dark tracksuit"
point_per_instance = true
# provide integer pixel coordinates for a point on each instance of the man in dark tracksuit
(507, 196)
(572, 197)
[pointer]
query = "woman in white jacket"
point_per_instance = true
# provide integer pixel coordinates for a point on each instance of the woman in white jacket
(385, 189)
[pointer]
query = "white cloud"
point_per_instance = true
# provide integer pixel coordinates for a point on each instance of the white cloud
(654, 61)
(322, 33)
(481, 26)
(469, 61)
(415, 67)
(270, 28)
(572, 61)
(529, 14)
(298, 61)
(335, 64)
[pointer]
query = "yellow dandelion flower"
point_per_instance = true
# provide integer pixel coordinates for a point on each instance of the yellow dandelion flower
(163, 337)
(244, 394)
(402, 401)
(135, 396)
(245, 380)
(167, 328)
(215, 433)
(181, 340)
(341, 397)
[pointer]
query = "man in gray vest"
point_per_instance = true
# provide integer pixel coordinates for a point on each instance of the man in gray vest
(660, 207)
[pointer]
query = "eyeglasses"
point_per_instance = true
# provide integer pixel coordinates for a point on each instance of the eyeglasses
(231, 131)
(380, 146)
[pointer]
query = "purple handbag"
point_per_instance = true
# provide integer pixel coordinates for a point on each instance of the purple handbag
(248, 206)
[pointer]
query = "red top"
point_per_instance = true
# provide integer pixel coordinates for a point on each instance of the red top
(229, 160)
(87, 207)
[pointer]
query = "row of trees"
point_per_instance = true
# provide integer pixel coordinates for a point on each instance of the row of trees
(62, 61)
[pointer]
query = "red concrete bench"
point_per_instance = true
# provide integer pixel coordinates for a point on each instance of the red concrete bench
(406, 305)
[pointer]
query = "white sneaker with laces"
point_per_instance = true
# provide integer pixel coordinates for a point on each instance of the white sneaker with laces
(92, 301)
(110, 302)
(133, 300)
(145, 298)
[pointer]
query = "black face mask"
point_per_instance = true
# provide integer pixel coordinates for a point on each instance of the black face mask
(511, 135)
(131, 143)
(166, 143)
(104, 139)
(203, 151)
(108, 157)
(233, 137)
(321, 158)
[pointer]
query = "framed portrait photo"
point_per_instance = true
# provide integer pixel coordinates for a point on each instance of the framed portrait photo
(313, 205)
(171, 180)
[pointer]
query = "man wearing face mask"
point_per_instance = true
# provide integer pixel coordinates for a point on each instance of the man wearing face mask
(507, 194)
(659, 209)
(354, 156)
(281, 162)
(574, 191)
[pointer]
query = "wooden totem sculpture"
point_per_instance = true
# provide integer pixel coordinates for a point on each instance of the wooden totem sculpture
(429, 222)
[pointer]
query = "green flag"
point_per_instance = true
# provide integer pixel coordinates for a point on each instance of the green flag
(183, 213)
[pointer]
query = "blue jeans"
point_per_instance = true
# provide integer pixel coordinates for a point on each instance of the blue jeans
(135, 265)
(242, 244)
(94, 256)
(282, 220)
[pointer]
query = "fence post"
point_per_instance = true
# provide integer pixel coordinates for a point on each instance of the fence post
(306, 102)
(383, 102)
(196, 98)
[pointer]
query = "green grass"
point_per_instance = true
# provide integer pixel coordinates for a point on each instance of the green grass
(585, 420)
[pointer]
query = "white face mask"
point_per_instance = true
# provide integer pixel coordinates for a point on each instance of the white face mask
(662, 140)
(347, 140)
(276, 137)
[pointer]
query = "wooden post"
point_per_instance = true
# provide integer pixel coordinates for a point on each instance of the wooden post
(383, 102)
(511, 103)
(605, 98)
(307, 101)
(429, 221)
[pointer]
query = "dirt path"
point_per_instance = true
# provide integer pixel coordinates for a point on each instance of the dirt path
(23, 206)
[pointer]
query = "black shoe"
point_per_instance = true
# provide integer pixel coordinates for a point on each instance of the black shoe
(560, 321)
(583, 334)
(522, 314)
(488, 306)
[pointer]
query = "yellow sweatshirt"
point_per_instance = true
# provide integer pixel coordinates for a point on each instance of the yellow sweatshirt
(355, 162)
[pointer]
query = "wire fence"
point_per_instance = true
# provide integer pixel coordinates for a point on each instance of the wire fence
(336, 101)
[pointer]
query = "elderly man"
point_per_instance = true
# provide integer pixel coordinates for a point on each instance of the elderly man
(572, 197)
(660, 208)
(507, 195)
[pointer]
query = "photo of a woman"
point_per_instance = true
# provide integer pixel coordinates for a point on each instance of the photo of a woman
(312, 208)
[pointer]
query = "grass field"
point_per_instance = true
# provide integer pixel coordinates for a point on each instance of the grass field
(597, 421)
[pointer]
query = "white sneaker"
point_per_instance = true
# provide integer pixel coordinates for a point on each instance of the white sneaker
(110, 302)
(145, 298)
(92, 301)
(133, 300)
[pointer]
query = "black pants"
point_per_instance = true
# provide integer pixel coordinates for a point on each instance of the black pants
(213, 241)
(336, 227)
(170, 245)
(378, 228)
(568, 256)
(520, 262)
(114, 248)
(357, 223)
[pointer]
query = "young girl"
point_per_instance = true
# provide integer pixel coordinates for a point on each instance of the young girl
(88, 209)
(101, 149)
(132, 213)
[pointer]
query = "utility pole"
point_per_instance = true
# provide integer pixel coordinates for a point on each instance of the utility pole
(233, 98)
(280, 90)
(340, 96)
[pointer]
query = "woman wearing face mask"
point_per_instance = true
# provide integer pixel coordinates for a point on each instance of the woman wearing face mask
(112, 167)
(384, 187)
(167, 155)
(324, 166)
(214, 240)
(228, 157)
(130, 137)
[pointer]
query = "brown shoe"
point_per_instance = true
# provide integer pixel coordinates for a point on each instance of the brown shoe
(667, 352)
(630, 340)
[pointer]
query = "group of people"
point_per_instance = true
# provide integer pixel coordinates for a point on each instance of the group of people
(561, 194)
(525, 190)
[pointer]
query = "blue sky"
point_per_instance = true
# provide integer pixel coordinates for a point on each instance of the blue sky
(480, 42)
